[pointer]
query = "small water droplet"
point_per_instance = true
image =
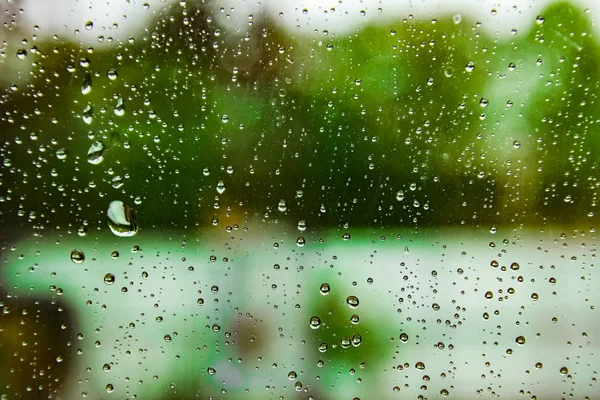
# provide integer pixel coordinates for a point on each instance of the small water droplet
(282, 206)
(120, 107)
(324, 289)
(21, 54)
(302, 225)
(77, 256)
(112, 74)
(61, 154)
(86, 86)
(220, 187)
(109, 279)
(352, 301)
(88, 114)
(470, 66)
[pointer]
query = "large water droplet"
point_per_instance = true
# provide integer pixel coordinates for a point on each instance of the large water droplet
(121, 219)
(96, 153)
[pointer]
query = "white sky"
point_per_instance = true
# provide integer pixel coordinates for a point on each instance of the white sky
(63, 17)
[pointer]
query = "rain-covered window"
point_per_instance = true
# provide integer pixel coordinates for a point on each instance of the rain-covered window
(329, 200)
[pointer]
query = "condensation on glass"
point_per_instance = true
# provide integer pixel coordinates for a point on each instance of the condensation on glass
(345, 200)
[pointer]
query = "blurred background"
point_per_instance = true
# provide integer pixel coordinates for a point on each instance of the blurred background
(203, 199)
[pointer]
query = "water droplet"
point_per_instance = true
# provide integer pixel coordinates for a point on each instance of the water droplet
(315, 322)
(489, 295)
(167, 338)
(515, 266)
(282, 206)
(345, 342)
(352, 301)
(77, 256)
(61, 154)
(346, 236)
(88, 114)
(539, 365)
(356, 340)
(564, 371)
(121, 219)
(21, 54)
(109, 279)
(117, 182)
(120, 107)
(457, 18)
(435, 306)
(520, 340)
(86, 86)
(300, 241)
(89, 25)
(420, 365)
(470, 66)
(324, 289)
(109, 388)
(403, 337)
(220, 187)
(302, 225)
(292, 375)
(95, 153)
(517, 144)
(493, 229)
(355, 319)
(540, 20)
(483, 102)
(211, 370)
(112, 74)
(400, 195)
